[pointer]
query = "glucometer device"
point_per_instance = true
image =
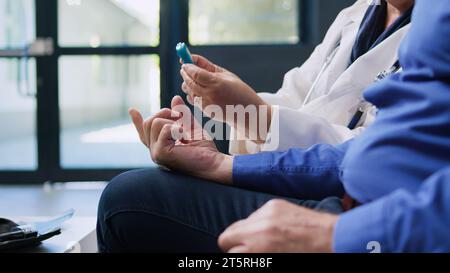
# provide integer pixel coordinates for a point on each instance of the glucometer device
(184, 53)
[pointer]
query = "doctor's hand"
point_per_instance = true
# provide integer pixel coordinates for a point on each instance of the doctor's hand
(177, 141)
(281, 227)
(219, 87)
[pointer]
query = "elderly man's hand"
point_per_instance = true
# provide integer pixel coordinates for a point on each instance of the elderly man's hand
(220, 88)
(177, 142)
(281, 227)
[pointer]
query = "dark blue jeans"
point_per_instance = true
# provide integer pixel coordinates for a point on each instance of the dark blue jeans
(153, 210)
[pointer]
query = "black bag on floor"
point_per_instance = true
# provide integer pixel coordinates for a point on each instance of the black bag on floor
(13, 238)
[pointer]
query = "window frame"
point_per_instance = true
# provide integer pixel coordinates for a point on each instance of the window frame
(174, 15)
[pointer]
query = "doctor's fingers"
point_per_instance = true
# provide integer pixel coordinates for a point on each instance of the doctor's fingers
(188, 91)
(191, 87)
(199, 75)
(206, 64)
(190, 100)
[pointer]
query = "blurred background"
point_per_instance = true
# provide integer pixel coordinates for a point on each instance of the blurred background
(71, 69)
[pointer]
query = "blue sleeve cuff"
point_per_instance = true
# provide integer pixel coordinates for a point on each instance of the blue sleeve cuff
(362, 230)
(303, 174)
(251, 171)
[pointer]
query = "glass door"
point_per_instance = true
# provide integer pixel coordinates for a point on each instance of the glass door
(97, 87)
(18, 140)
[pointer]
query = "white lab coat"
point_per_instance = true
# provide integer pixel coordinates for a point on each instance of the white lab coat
(338, 94)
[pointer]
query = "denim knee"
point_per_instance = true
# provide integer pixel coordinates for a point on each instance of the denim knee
(126, 192)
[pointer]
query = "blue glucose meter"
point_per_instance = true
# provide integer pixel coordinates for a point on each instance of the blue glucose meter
(184, 53)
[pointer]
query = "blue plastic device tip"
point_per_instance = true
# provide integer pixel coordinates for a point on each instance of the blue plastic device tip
(184, 53)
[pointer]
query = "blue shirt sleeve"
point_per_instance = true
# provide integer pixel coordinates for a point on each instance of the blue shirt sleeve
(400, 222)
(305, 174)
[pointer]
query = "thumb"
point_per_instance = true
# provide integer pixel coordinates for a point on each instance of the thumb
(138, 122)
(177, 101)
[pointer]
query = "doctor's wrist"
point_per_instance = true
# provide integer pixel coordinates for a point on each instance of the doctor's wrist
(264, 118)
(268, 123)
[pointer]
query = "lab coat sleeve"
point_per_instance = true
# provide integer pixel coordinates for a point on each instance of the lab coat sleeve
(296, 84)
(400, 222)
(296, 129)
(304, 174)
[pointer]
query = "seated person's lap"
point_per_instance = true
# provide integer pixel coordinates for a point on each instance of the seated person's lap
(153, 210)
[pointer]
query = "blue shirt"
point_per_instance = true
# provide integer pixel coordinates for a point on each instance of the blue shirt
(397, 168)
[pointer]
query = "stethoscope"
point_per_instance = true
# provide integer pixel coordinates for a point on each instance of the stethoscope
(325, 66)
(363, 105)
